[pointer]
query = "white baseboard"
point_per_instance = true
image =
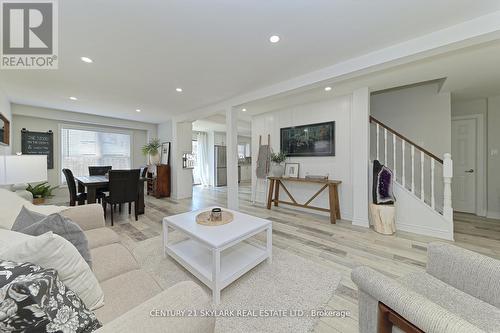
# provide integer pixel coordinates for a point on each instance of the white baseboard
(422, 230)
(361, 222)
(493, 215)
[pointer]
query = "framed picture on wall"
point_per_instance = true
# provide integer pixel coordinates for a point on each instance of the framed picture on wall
(165, 153)
(308, 140)
(292, 170)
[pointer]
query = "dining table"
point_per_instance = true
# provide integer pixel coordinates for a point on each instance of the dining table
(92, 183)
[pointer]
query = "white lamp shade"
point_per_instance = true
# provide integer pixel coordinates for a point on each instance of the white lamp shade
(22, 169)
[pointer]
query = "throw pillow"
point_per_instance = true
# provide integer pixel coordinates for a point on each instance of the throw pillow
(52, 251)
(33, 299)
(36, 224)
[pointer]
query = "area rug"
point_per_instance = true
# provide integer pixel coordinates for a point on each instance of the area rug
(289, 283)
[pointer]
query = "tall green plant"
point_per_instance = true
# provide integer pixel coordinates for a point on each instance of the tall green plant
(43, 190)
(152, 147)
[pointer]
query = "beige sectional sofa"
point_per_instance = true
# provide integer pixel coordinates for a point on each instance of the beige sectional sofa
(130, 294)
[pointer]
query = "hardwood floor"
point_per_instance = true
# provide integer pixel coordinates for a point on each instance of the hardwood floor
(341, 246)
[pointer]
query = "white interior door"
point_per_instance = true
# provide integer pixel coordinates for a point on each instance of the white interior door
(463, 152)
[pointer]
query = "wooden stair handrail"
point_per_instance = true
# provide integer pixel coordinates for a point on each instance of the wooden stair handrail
(402, 137)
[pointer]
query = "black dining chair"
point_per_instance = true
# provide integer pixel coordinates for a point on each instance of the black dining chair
(100, 171)
(74, 196)
(144, 171)
(123, 188)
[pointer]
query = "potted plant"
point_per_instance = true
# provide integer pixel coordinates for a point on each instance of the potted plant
(40, 192)
(277, 169)
(151, 151)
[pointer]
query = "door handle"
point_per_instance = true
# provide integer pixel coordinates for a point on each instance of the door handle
(470, 171)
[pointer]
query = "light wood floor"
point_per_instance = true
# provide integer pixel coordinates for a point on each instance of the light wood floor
(341, 246)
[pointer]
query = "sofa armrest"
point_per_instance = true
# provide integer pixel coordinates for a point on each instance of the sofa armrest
(375, 287)
(147, 317)
(473, 273)
(86, 216)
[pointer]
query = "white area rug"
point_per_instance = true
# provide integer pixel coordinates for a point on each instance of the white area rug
(289, 283)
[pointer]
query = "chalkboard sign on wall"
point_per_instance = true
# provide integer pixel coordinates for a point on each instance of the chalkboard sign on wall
(38, 143)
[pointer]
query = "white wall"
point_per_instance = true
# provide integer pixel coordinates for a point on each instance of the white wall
(165, 131)
(494, 157)
(420, 113)
(41, 119)
(337, 167)
(5, 109)
(472, 108)
(490, 109)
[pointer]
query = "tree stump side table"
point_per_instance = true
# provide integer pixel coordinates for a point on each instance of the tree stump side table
(383, 218)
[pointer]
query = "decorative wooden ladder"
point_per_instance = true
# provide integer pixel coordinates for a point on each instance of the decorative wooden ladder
(424, 180)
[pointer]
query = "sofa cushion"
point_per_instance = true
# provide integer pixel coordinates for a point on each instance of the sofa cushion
(9, 238)
(34, 299)
(182, 296)
(475, 311)
(11, 204)
(101, 236)
(112, 260)
(36, 224)
(126, 291)
(52, 251)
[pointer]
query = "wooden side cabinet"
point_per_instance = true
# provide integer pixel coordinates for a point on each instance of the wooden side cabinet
(159, 186)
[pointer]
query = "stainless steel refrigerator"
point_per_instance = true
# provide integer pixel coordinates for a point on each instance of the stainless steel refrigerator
(220, 160)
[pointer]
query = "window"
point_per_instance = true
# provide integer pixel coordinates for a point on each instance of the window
(241, 151)
(83, 147)
(244, 150)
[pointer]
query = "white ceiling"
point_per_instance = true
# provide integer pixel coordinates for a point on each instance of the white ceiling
(214, 50)
(217, 123)
(468, 73)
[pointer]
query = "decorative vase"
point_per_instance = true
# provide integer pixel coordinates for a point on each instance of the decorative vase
(277, 170)
(154, 159)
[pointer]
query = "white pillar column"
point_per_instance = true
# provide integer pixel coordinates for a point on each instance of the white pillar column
(211, 157)
(232, 158)
(360, 143)
(182, 179)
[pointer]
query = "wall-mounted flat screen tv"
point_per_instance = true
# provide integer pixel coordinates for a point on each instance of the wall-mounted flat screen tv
(308, 140)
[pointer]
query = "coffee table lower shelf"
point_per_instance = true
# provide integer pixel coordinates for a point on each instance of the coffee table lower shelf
(202, 263)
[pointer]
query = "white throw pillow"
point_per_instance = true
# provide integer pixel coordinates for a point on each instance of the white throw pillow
(52, 251)
(8, 238)
(11, 204)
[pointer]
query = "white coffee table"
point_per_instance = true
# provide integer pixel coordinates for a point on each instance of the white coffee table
(218, 255)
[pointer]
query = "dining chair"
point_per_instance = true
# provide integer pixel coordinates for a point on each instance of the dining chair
(123, 188)
(144, 171)
(100, 171)
(74, 196)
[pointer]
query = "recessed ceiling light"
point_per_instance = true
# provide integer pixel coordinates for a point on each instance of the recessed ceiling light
(73, 98)
(328, 88)
(244, 110)
(137, 110)
(274, 39)
(87, 60)
(178, 89)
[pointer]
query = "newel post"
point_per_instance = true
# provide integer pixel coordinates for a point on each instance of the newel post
(447, 175)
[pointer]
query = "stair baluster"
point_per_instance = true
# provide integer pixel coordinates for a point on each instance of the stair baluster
(446, 210)
(422, 162)
(413, 169)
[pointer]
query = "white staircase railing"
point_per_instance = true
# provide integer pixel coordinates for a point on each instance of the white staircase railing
(422, 173)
